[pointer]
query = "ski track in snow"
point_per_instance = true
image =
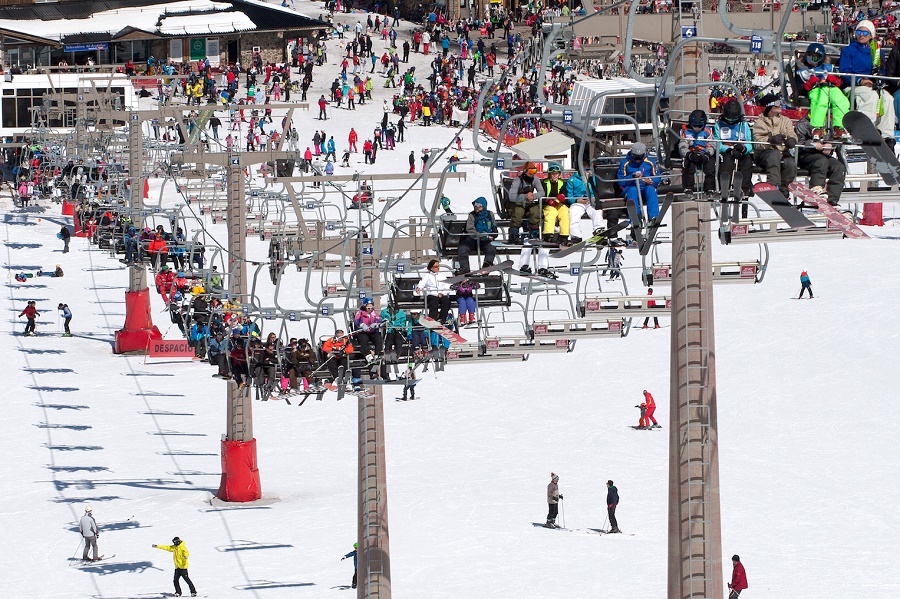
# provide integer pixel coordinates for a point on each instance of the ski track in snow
(807, 453)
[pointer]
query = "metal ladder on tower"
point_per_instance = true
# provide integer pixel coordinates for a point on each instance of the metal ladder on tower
(692, 61)
(695, 430)
(372, 501)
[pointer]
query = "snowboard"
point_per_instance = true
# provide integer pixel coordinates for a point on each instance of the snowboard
(780, 204)
(835, 217)
(596, 239)
(869, 138)
(479, 272)
(433, 325)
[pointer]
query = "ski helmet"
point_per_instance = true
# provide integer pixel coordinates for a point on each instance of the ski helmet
(732, 113)
(554, 168)
(356, 545)
(176, 541)
(638, 151)
(697, 119)
(815, 54)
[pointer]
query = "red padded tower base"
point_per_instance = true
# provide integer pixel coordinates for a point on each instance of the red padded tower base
(240, 473)
(138, 329)
(68, 208)
(872, 215)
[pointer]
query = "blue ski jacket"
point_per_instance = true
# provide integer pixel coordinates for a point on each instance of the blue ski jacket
(856, 59)
(739, 132)
(575, 188)
(627, 168)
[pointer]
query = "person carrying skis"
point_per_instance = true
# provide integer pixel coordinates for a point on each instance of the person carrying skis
(180, 556)
(481, 230)
(805, 284)
(738, 578)
(732, 132)
(612, 500)
(697, 151)
(553, 499)
(30, 312)
(90, 532)
(638, 178)
(651, 407)
(823, 88)
(353, 554)
(66, 313)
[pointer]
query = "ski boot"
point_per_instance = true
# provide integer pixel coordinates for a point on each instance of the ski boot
(549, 274)
(550, 237)
(513, 238)
(525, 270)
(573, 240)
(655, 426)
(817, 134)
(551, 523)
(614, 530)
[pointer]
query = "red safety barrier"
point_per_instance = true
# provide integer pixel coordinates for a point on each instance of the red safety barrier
(138, 331)
(68, 208)
(872, 215)
(78, 225)
(240, 473)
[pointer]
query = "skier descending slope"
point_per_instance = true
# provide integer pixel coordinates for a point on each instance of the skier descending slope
(612, 500)
(738, 578)
(553, 499)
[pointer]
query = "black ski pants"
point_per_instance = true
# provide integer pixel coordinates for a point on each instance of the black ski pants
(553, 511)
(824, 168)
(744, 166)
(473, 244)
(611, 511)
(29, 327)
(690, 169)
(183, 573)
(438, 307)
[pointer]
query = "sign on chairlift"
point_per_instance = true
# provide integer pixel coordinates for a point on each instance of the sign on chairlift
(363, 293)
(567, 117)
(501, 162)
(236, 161)
(326, 309)
(575, 269)
(330, 226)
(245, 310)
(368, 250)
(292, 316)
(268, 314)
(310, 205)
(401, 267)
(688, 31)
(755, 44)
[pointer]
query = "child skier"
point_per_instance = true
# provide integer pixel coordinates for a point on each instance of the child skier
(353, 555)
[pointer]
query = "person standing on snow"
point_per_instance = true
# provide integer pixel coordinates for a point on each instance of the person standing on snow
(805, 284)
(353, 555)
(90, 532)
(553, 499)
(612, 500)
(180, 555)
(651, 304)
(65, 236)
(738, 578)
(651, 407)
(66, 313)
(30, 312)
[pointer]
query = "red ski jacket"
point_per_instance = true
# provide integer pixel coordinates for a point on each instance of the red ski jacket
(739, 577)
(648, 399)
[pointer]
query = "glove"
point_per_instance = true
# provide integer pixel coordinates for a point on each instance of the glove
(698, 157)
(738, 151)
(153, 546)
(790, 143)
(777, 140)
(560, 496)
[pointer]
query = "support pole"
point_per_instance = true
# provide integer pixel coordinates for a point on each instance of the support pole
(695, 531)
(373, 553)
(240, 472)
(138, 331)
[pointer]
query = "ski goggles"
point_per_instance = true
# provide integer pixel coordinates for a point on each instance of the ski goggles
(863, 32)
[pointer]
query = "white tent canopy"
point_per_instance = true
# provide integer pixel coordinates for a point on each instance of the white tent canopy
(552, 145)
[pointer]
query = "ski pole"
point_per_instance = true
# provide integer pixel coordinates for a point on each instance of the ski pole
(74, 555)
(604, 521)
(562, 513)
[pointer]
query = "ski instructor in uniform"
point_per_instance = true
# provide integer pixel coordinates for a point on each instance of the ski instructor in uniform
(553, 499)
(180, 555)
(90, 532)
(612, 500)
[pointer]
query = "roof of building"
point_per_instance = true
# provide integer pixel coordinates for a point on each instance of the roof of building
(103, 20)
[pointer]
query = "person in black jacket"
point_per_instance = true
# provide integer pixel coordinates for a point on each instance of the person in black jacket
(65, 235)
(266, 366)
(612, 500)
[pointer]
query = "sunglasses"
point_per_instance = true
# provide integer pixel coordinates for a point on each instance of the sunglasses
(862, 32)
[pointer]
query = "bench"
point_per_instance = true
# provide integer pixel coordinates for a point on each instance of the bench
(494, 292)
(463, 353)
